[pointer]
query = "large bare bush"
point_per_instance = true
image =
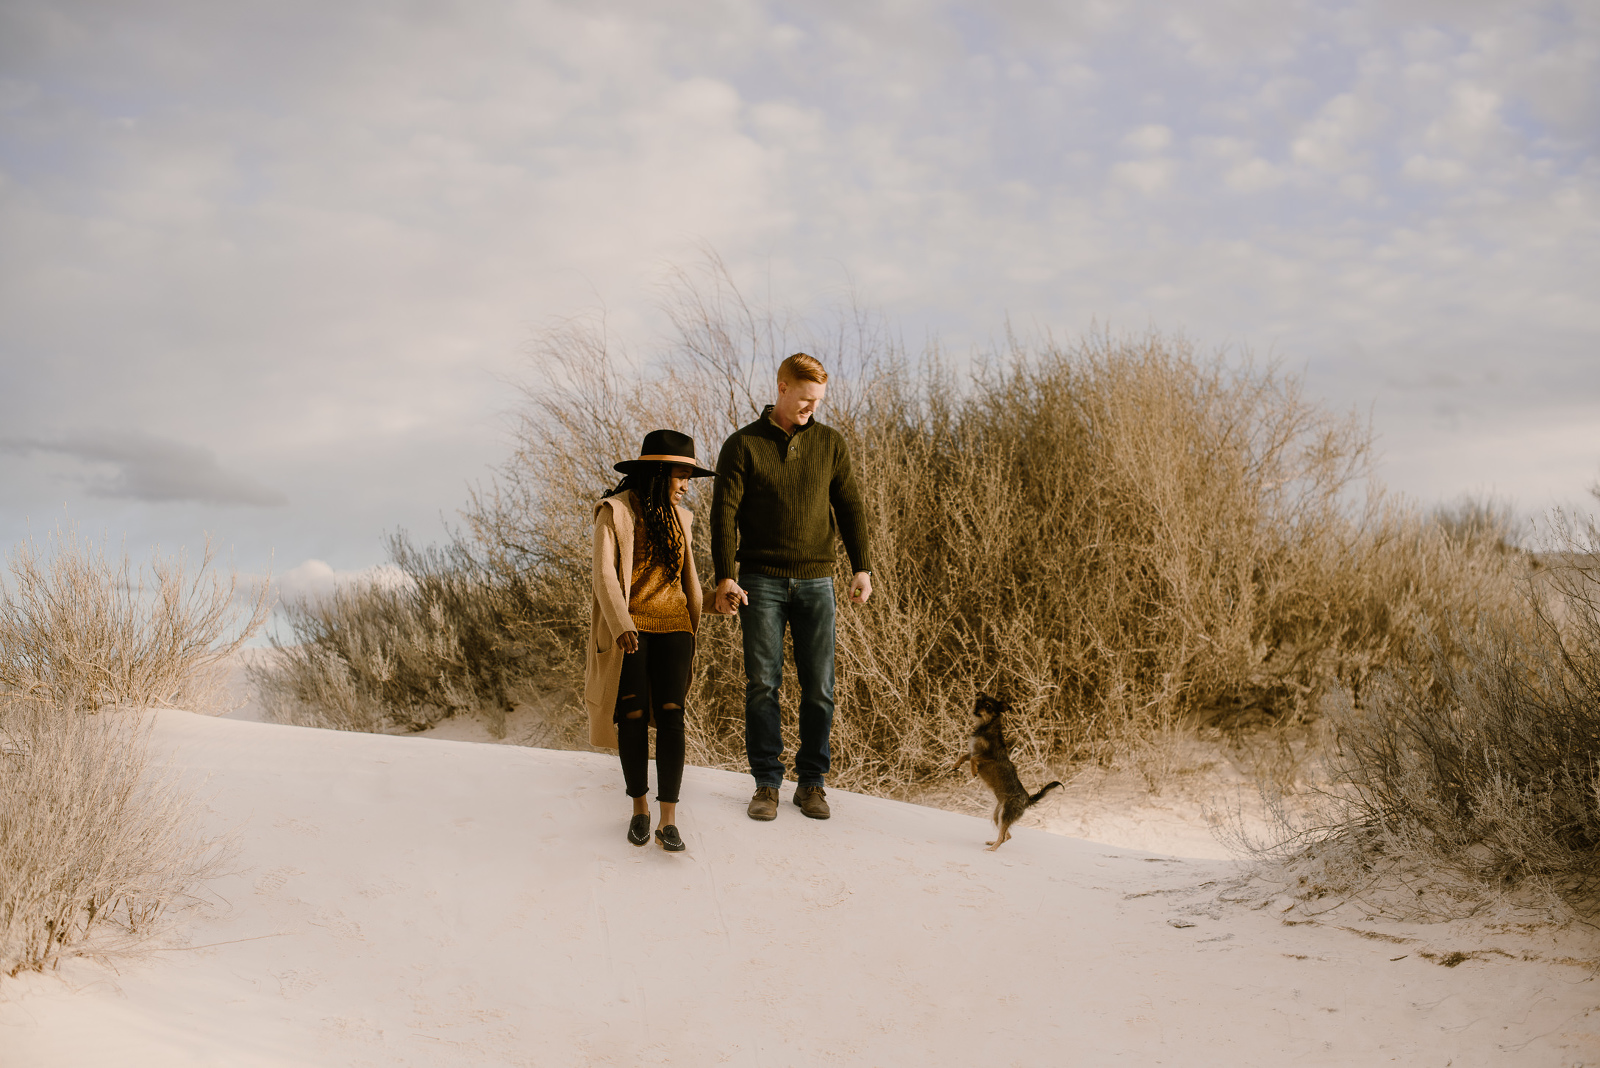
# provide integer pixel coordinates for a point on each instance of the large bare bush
(1476, 757)
(1122, 535)
(81, 627)
(402, 656)
(91, 839)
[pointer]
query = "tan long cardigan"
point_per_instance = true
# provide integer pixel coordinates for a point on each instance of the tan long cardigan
(609, 618)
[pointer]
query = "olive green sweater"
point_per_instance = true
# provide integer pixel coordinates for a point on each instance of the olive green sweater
(780, 499)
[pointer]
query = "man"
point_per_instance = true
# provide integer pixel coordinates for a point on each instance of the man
(784, 488)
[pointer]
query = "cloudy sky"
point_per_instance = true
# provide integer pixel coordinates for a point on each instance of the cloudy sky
(266, 268)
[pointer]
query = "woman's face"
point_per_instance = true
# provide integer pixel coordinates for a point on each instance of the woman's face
(678, 482)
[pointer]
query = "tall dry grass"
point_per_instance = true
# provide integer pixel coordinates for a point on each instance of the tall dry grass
(1124, 536)
(93, 840)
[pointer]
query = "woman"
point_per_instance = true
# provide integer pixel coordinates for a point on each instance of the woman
(645, 612)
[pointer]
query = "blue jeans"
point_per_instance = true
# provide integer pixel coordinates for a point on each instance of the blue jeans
(806, 606)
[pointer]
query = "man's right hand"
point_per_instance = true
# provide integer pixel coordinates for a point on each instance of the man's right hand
(728, 598)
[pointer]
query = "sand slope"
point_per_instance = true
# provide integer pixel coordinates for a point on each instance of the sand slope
(409, 902)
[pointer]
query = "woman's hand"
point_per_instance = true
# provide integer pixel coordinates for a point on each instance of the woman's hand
(729, 596)
(629, 642)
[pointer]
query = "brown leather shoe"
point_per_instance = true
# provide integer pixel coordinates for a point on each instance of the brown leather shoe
(813, 801)
(764, 805)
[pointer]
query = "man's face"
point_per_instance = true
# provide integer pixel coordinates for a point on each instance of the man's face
(797, 401)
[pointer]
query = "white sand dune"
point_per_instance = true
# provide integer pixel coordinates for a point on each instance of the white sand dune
(408, 902)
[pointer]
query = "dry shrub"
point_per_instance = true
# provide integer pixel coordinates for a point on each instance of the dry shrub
(1116, 535)
(90, 838)
(82, 629)
(1124, 537)
(1130, 540)
(1480, 520)
(1477, 756)
(92, 841)
(401, 657)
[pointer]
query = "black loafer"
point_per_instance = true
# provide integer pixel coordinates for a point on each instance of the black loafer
(639, 829)
(668, 837)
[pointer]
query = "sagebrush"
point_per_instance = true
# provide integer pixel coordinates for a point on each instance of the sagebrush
(93, 839)
(1476, 757)
(81, 627)
(402, 656)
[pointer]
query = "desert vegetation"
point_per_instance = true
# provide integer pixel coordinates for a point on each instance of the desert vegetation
(450, 640)
(1129, 538)
(93, 840)
(1467, 772)
(1124, 535)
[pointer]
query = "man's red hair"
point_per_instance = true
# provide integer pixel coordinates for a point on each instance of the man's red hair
(802, 368)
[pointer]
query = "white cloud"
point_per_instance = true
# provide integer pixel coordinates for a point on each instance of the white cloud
(1253, 176)
(1471, 126)
(1358, 187)
(317, 238)
(311, 580)
(787, 36)
(1420, 168)
(1339, 137)
(1145, 175)
(1224, 149)
(1151, 138)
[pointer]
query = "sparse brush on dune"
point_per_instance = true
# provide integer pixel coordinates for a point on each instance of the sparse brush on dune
(1123, 536)
(92, 841)
(1472, 763)
(401, 657)
(83, 628)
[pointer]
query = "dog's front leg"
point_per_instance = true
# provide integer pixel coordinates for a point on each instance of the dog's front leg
(964, 758)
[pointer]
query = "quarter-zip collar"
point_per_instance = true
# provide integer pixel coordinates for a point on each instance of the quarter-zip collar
(788, 447)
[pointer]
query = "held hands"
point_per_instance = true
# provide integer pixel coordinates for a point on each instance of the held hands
(730, 595)
(728, 598)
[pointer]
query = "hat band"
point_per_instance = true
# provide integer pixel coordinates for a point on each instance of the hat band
(661, 458)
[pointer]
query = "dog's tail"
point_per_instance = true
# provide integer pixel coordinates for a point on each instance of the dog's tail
(1034, 800)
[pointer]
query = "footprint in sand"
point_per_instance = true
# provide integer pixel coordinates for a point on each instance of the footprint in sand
(337, 922)
(825, 892)
(357, 1028)
(372, 891)
(273, 881)
(294, 984)
(299, 827)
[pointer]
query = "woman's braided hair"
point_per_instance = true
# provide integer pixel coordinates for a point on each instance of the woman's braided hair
(652, 486)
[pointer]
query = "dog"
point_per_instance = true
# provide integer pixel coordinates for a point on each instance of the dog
(991, 760)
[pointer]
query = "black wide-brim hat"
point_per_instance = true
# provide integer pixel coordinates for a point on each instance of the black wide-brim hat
(664, 447)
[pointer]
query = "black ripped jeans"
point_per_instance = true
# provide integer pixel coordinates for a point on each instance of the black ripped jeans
(654, 682)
